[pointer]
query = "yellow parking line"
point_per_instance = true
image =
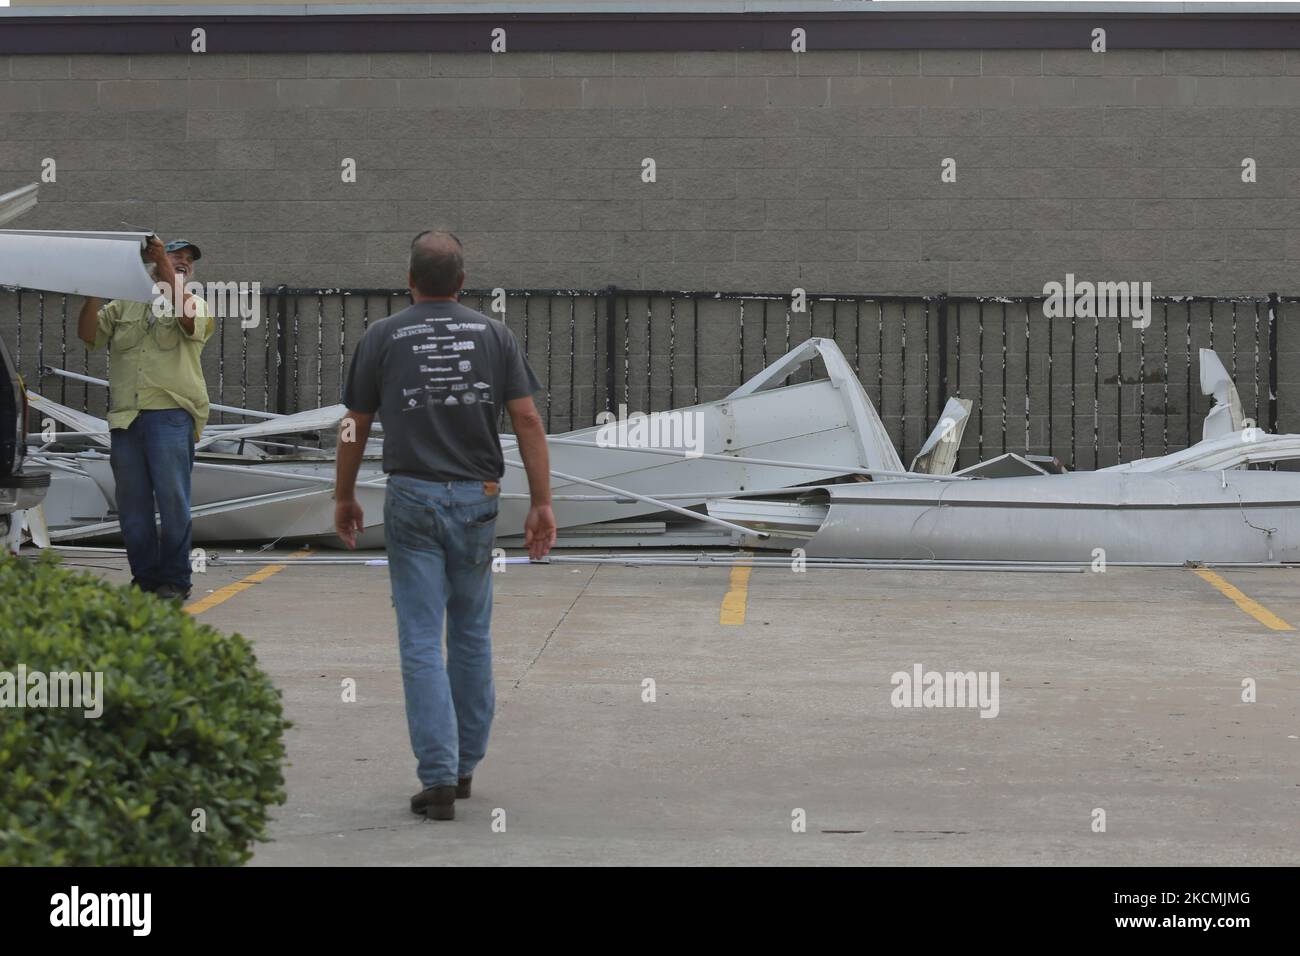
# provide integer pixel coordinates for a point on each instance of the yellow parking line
(1253, 608)
(224, 594)
(733, 603)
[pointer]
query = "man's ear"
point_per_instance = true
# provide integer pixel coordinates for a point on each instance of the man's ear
(460, 282)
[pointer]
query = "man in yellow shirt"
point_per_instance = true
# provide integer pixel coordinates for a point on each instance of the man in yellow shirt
(159, 405)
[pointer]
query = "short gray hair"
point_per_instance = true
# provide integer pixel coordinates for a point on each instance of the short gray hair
(437, 263)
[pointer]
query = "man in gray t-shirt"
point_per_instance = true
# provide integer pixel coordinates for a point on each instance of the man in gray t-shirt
(438, 374)
(441, 373)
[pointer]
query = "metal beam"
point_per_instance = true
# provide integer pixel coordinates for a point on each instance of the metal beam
(657, 502)
(742, 460)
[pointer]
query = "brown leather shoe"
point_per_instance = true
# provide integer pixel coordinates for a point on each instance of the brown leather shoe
(463, 787)
(436, 803)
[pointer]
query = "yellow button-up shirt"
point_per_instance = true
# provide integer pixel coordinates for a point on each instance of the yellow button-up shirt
(153, 361)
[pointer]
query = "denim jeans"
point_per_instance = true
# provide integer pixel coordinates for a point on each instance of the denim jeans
(152, 461)
(439, 540)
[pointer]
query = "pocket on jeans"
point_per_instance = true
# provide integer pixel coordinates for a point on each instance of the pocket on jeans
(479, 532)
(406, 524)
(482, 515)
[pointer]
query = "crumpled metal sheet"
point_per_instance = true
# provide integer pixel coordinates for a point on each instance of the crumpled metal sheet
(1235, 516)
(1233, 450)
(75, 420)
(1226, 416)
(938, 456)
(105, 265)
(312, 420)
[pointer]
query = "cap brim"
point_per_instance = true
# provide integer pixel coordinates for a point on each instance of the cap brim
(198, 254)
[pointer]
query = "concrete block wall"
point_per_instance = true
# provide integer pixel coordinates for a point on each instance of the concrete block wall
(774, 170)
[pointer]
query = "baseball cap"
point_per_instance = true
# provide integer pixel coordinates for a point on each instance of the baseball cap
(178, 244)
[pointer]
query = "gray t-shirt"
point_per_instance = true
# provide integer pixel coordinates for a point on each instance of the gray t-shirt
(438, 374)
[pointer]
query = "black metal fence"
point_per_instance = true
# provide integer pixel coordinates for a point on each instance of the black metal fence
(1090, 391)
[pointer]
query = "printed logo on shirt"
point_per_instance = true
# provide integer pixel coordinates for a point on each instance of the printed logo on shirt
(469, 398)
(464, 365)
(451, 400)
(413, 330)
(461, 346)
(466, 326)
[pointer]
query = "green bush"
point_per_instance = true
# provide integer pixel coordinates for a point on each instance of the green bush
(189, 723)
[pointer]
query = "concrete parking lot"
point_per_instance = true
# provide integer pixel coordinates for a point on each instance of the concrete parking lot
(1120, 692)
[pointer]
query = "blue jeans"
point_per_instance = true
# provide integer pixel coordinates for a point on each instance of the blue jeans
(152, 461)
(439, 540)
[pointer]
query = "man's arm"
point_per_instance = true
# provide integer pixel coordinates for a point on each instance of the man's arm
(354, 431)
(539, 528)
(88, 321)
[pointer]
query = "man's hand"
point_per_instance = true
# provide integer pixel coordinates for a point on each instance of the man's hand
(156, 253)
(539, 531)
(349, 521)
(353, 432)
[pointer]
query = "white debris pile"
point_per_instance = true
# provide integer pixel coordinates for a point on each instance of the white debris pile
(770, 466)
(807, 465)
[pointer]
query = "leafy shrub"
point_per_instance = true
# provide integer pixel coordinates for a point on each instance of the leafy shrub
(189, 722)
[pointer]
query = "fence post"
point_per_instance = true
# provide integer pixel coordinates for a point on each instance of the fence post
(281, 351)
(611, 354)
(1274, 307)
(942, 397)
